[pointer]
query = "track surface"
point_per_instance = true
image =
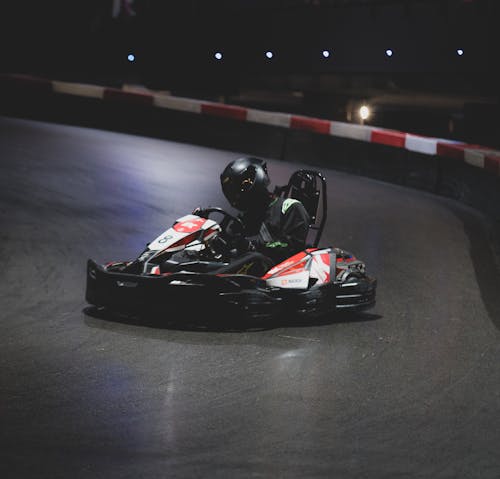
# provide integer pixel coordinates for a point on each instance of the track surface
(411, 389)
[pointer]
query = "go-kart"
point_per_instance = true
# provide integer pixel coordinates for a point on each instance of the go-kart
(188, 268)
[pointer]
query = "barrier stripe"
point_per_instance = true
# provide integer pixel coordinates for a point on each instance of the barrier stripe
(421, 144)
(269, 118)
(79, 89)
(177, 103)
(454, 151)
(474, 157)
(315, 125)
(225, 111)
(351, 131)
(389, 137)
(134, 98)
(486, 159)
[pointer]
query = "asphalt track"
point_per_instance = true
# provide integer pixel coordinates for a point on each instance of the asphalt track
(410, 389)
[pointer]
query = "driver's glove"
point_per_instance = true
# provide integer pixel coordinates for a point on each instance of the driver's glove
(219, 245)
(245, 245)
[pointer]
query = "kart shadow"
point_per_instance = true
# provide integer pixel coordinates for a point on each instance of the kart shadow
(225, 323)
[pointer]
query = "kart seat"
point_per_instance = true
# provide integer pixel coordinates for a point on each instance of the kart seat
(309, 187)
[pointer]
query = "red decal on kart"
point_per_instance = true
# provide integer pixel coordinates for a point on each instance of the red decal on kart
(349, 259)
(292, 265)
(295, 268)
(189, 226)
(321, 267)
(155, 270)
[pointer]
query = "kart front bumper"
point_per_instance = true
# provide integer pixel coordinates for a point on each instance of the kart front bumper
(179, 293)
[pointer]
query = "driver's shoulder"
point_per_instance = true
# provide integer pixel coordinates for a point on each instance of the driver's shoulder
(285, 205)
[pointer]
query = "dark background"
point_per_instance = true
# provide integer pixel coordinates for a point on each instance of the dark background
(425, 87)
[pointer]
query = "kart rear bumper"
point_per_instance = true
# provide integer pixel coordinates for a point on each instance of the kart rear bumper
(356, 295)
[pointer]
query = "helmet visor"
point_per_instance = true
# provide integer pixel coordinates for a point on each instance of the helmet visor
(238, 189)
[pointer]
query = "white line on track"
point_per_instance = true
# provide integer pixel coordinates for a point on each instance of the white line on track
(296, 337)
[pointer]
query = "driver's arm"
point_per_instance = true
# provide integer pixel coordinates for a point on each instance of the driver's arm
(289, 239)
(293, 234)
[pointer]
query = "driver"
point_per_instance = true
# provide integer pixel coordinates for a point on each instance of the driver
(275, 228)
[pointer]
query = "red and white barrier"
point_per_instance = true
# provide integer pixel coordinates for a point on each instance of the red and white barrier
(177, 103)
(351, 131)
(269, 118)
(90, 91)
(421, 144)
(475, 155)
(388, 137)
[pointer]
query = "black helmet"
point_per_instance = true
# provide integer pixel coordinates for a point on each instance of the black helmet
(244, 183)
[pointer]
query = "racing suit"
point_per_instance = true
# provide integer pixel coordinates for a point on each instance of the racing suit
(281, 231)
(271, 236)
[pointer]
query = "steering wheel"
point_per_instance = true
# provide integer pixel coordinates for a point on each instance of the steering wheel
(232, 228)
(230, 224)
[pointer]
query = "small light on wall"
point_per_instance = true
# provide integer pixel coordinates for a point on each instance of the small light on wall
(364, 112)
(389, 52)
(131, 57)
(269, 54)
(218, 55)
(325, 53)
(460, 52)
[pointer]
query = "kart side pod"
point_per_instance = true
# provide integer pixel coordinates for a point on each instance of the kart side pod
(298, 272)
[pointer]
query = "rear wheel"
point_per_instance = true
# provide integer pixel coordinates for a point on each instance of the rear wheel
(357, 292)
